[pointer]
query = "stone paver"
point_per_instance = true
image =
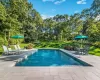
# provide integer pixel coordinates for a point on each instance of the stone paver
(10, 72)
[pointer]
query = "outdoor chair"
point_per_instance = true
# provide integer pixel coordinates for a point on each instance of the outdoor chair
(15, 47)
(19, 48)
(77, 50)
(6, 51)
(17, 52)
(82, 51)
(86, 49)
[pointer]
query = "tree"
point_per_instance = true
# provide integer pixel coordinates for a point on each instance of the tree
(95, 8)
(90, 25)
(20, 16)
(2, 16)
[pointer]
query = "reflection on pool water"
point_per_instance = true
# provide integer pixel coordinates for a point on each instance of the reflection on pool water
(46, 57)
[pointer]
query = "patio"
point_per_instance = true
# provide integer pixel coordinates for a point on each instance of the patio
(9, 72)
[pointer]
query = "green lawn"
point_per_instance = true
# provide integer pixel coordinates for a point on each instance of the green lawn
(22, 45)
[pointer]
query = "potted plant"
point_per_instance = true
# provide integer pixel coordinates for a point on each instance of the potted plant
(30, 46)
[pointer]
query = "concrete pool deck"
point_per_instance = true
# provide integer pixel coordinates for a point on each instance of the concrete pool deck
(9, 72)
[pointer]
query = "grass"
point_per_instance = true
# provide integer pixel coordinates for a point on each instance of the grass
(94, 51)
(22, 45)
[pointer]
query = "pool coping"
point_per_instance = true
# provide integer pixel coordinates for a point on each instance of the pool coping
(77, 57)
(8, 72)
(69, 53)
(25, 55)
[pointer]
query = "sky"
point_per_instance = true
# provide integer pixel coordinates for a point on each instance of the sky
(50, 8)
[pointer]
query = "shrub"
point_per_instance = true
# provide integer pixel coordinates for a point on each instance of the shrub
(91, 52)
(3, 42)
(94, 51)
(97, 54)
(97, 50)
(97, 44)
(30, 46)
(10, 42)
(69, 48)
(92, 48)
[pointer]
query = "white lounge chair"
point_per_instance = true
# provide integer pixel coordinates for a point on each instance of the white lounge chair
(6, 51)
(18, 47)
(18, 52)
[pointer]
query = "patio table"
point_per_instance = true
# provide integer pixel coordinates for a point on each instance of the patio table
(82, 51)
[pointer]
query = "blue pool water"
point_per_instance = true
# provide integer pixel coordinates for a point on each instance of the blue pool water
(45, 57)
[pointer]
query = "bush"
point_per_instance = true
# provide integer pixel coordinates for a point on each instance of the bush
(69, 48)
(97, 44)
(97, 50)
(30, 46)
(10, 42)
(97, 54)
(91, 52)
(94, 51)
(92, 48)
(3, 42)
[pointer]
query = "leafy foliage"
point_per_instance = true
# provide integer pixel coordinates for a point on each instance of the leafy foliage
(20, 17)
(94, 51)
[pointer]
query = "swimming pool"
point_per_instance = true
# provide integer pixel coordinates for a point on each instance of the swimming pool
(49, 57)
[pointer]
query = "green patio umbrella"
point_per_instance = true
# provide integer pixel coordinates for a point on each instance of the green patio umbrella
(81, 37)
(17, 37)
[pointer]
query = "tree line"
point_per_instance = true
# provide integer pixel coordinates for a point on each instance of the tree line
(66, 27)
(20, 17)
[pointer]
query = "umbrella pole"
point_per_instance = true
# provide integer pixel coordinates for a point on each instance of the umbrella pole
(16, 41)
(81, 43)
